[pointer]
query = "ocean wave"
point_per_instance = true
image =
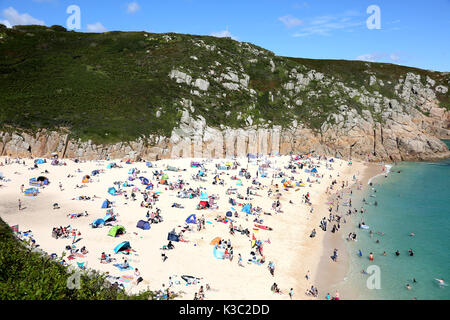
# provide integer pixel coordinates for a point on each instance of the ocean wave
(386, 171)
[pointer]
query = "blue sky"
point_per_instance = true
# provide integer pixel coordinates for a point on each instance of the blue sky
(413, 33)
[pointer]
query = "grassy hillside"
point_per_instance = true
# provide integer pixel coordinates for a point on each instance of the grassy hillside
(115, 86)
(26, 275)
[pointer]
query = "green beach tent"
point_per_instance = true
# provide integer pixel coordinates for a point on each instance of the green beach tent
(116, 230)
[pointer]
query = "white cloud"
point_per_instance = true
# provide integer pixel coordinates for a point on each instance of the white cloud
(376, 56)
(301, 5)
(290, 21)
(96, 27)
(325, 25)
(12, 18)
(6, 23)
(223, 34)
(395, 57)
(371, 57)
(325, 29)
(133, 7)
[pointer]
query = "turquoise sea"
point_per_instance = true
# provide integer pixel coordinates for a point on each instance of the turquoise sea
(415, 200)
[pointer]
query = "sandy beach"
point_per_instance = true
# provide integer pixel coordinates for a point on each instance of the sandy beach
(288, 245)
(329, 273)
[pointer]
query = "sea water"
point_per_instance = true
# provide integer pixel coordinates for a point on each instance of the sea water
(414, 198)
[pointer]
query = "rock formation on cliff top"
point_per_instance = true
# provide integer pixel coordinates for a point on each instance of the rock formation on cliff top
(143, 95)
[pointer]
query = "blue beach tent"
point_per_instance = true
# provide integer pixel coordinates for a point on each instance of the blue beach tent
(34, 182)
(247, 208)
(191, 219)
(122, 246)
(144, 225)
(106, 204)
(98, 222)
(112, 191)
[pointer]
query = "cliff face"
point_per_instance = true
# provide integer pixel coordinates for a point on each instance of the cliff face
(141, 95)
(402, 137)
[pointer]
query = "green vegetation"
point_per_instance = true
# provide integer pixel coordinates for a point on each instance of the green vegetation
(108, 87)
(27, 275)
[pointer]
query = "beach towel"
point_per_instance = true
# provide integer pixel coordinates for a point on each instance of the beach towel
(121, 268)
(125, 279)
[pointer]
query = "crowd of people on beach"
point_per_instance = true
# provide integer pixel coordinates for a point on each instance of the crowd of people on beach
(148, 199)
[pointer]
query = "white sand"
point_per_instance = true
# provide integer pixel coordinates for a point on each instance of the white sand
(290, 248)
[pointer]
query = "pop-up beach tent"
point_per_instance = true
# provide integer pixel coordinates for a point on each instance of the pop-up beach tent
(142, 224)
(173, 237)
(122, 246)
(85, 179)
(218, 254)
(215, 241)
(203, 204)
(164, 179)
(39, 161)
(112, 191)
(247, 208)
(203, 196)
(98, 223)
(116, 231)
(34, 182)
(191, 219)
(109, 166)
(108, 217)
(106, 204)
(44, 180)
(144, 180)
(314, 170)
(95, 172)
(31, 192)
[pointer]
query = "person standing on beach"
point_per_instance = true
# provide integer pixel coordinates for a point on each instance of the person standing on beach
(20, 205)
(291, 293)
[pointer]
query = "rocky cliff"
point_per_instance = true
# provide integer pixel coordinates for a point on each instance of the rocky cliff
(141, 95)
